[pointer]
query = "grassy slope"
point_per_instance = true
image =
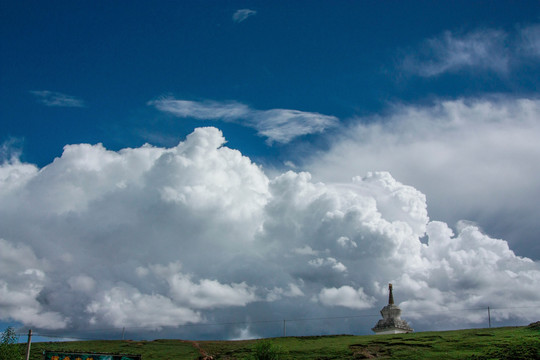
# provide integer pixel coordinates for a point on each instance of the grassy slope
(474, 344)
(501, 343)
(150, 350)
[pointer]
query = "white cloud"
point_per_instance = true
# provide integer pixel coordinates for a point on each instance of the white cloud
(282, 125)
(207, 293)
(52, 98)
(470, 261)
(11, 149)
(482, 49)
(242, 14)
(126, 306)
(82, 283)
(489, 50)
(123, 221)
(328, 262)
(289, 164)
(277, 125)
(474, 159)
(15, 173)
(346, 296)
(21, 281)
(277, 293)
(206, 110)
(306, 250)
(293, 291)
(345, 242)
(530, 41)
(244, 334)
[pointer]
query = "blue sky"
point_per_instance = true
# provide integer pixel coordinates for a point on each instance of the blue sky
(426, 110)
(341, 60)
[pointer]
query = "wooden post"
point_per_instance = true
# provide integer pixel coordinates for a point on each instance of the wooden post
(489, 318)
(28, 344)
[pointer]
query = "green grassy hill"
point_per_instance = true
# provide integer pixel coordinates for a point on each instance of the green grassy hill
(495, 343)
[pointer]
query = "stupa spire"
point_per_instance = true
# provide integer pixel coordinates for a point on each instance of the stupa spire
(390, 295)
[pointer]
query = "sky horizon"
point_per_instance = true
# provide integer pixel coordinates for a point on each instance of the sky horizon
(173, 166)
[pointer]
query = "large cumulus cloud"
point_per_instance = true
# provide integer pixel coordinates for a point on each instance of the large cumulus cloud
(475, 159)
(156, 238)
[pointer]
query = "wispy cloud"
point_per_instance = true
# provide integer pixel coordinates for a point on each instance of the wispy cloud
(242, 14)
(277, 125)
(283, 125)
(52, 98)
(206, 110)
(530, 41)
(483, 49)
(11, 149)
(488, 50)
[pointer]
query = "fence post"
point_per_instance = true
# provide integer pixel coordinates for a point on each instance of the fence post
(28, 344)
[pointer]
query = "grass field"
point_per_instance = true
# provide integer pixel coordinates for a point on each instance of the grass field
(474, 344)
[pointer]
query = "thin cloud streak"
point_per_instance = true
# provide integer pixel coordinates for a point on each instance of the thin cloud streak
(449, 53)
(242, 14)
(206, 110)
(489, 50)
(530, 41)
(277, 125)
(56, 99)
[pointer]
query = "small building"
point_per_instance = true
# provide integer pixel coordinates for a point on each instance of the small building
(391, 323)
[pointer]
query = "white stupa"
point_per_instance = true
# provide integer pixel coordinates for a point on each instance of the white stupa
(391, 323)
